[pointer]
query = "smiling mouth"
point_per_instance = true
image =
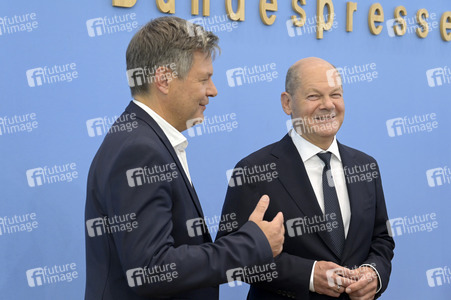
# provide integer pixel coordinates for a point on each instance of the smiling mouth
(325, 118)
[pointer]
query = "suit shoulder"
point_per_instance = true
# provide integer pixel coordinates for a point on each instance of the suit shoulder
(139, 132)
(138, 141)
(262, 155)
(360, 155)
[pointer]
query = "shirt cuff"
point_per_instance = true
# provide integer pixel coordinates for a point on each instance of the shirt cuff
(377, 274)
(312, 286)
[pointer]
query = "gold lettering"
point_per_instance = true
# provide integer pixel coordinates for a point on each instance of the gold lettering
(422, 14)
(321, 25)
(325, 20)
(239, 14)
(264, 7)
(124, 3)
(375, 14)
(297, 8)
(351, 7)
(402, 28)
(445, 24)
(167, 6)
(205, 7)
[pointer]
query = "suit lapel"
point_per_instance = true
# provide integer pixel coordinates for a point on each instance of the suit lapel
(294, 178)
(355, 191)
(141, 114)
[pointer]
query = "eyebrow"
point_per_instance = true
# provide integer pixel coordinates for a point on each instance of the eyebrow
(209, 74)
(318, 91)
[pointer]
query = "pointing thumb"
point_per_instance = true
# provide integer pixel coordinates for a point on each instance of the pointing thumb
(260, 209)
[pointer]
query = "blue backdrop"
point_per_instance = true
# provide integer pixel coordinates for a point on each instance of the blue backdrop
(63, 81)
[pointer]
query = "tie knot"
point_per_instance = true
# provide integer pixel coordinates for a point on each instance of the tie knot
(325, 157)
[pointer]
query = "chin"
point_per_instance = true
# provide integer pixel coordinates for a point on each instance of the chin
(327, 134)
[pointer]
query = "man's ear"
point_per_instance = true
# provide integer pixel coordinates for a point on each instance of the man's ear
(163, 78)
(286, 101)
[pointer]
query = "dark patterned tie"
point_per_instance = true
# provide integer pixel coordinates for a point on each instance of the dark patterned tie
(331, 204)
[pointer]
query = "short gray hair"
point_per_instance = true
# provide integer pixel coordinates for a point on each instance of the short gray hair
(293, 78)
(168, 41)
(292, 81)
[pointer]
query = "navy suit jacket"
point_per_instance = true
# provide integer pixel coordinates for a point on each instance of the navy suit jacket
(368, 241)
(164, 238)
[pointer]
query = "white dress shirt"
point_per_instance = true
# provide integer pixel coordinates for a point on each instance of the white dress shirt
(314, 167)
(176, 138)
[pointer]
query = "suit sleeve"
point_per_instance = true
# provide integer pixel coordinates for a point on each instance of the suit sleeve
(293, 272)
(382, 245)
(152, 244)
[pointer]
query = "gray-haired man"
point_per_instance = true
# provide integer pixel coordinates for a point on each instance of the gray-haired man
(146, 238)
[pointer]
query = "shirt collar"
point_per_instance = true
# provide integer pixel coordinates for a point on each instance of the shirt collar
(176, 138)
(307, 150)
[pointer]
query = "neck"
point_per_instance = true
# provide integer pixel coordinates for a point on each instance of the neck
(156, 106)
(323, 143)
(152, 103)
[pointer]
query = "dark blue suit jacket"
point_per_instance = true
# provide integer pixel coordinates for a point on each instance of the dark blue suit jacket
(368, 241)
(117, 256)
